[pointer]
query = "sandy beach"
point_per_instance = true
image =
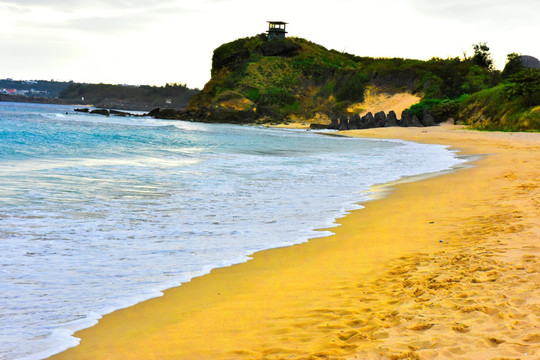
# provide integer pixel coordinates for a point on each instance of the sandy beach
(445, 267)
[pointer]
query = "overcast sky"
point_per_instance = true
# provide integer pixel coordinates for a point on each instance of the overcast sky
(151, 42)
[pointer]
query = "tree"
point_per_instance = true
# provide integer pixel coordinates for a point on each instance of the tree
(482, 57)
(513, 65)
(525, 84)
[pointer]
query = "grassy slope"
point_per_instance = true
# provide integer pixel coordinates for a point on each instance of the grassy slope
(305, 80)
(491, 109)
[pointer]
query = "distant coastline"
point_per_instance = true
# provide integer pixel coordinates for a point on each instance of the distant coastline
(107, 96)
(37, 100)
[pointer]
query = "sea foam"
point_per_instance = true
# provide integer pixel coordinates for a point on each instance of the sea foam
(97, 214)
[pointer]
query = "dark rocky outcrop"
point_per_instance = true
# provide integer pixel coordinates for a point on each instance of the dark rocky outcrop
(358, 120)
(83, 110)
(380, 119)
(317, 126)
(391, 119)
(169, 114)
(428, 119)
(104, 112)
(416, 122)
(343, 122)
(368, 121)
(354, 122)
(406, 119)
(334, 123)
(153, 112)
(120, 113)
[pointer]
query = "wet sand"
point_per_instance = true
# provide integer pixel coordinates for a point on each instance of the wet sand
(442, 268)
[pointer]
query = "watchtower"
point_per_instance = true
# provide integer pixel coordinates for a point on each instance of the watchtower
(276, 30)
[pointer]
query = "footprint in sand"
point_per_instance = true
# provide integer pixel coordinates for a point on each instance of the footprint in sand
(462, 328)
(421, 326)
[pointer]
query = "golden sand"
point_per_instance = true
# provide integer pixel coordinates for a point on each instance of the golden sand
(442, 268)
(377, 100)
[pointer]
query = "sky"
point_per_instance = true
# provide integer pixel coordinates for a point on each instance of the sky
(171, 41)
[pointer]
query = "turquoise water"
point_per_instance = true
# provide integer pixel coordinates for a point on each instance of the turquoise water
(98, 213)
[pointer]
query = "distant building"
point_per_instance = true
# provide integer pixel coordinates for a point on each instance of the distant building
(529, 62)
(276, 30)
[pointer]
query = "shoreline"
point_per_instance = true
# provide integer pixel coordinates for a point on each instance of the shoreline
(276, 305)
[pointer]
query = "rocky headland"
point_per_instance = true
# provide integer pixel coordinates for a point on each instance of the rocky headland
(255, 81)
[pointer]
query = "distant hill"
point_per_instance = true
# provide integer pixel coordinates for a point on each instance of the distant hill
(256, 81)
(274, 81)
(144, 97)
(42, 88)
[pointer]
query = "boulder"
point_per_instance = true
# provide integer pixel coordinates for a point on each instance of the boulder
(428, 119)
(233, 107)
(104, 112)
(83, 110)
(343, 122)
(201, 114)
(391, 119)
(358, 120)
(406, 119)
(368, 121)
(169, 114)
(334, 124)
(121, 113)
(354, 122)
(153, 112)
(317, 126)
(415, 122)
(380, 119)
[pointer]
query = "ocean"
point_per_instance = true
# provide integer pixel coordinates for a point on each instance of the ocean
(98, 214)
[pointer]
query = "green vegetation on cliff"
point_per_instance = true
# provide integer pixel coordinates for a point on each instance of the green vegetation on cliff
(514, 105)
(295, 78)
(510, 103)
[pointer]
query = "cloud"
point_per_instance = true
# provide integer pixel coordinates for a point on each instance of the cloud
(88, 9)
(107, 25)
(110, 17)
(77, 4)
(14, 10)
(504, 13)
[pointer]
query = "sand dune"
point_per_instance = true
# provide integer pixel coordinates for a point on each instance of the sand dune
(376, 101)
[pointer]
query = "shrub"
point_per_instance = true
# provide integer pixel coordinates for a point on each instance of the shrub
(492, 109)
(253, 95)
(447, 108)
(513, 65)
(418, 109)
(525, 85)
(353, 88)
(277, 97)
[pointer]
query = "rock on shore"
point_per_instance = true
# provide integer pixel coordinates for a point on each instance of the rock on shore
(380, 119)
